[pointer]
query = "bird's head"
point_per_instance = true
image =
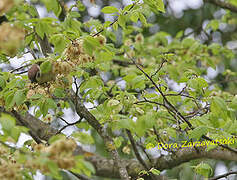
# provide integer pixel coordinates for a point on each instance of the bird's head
(34, 73)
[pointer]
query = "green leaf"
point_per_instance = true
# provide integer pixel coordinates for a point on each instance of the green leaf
(80, 6)
(154, 171)
(215, 48)
(59, 41)
(115, 26)
(89, 166)
(160, 6)
(214, 24)
(218, 104)
(134, 17)
(53, 5)
(36, 96)
(90, 44)
(59, 92)
(188, 42)
(118, 142)
(54, 170)
(93, 82)
(198, 83)
(43, 107)
(125, 123)
(19, 97)
(15, 133)
(41, 28)
(210, 62)
(2, 82)
(109, 10)
(106, 56)
(74, 14)
(56, 138)
(142, 19)
(83, 125)
(83, 138)
(233, 103)
(198, 132)
(122, 20)
(51, 103)
(130, 77)
(7, 122)
(46, 67)
(29, 39)
(155, 5)
(32, 10)
(9, 99)
(204, 169)
(3, 57)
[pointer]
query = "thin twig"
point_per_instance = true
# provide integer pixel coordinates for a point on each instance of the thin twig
(17, 69)
(161, 65)
(140, 144)
(223, 175)
(111, 24)
(68, 124)
(161, 140)
(32, 53)
(153, 102)
(136, 152)
(169, 106)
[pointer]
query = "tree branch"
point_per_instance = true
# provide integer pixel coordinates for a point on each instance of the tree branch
(63, 13)
(223, 175)
(170, 107)
(83, 112)
(103, 165)
(112, 23)
(138, 156)
(38, 129)
(68, 124)
(223, 5)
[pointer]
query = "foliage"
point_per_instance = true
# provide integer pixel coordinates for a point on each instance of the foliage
(151, 84)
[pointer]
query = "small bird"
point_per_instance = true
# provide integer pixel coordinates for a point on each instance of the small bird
(35, 75)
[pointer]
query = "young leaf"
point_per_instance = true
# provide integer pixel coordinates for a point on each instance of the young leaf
(198, 132)
(160, 6)
(19, 97)
(59, 41)
(109, 10)
(204, 169)
(40, 29)
(46, 67)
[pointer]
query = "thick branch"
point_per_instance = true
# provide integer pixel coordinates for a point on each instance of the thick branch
(38, 129)
(103, 165)
(83, 112)
(223, 4)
